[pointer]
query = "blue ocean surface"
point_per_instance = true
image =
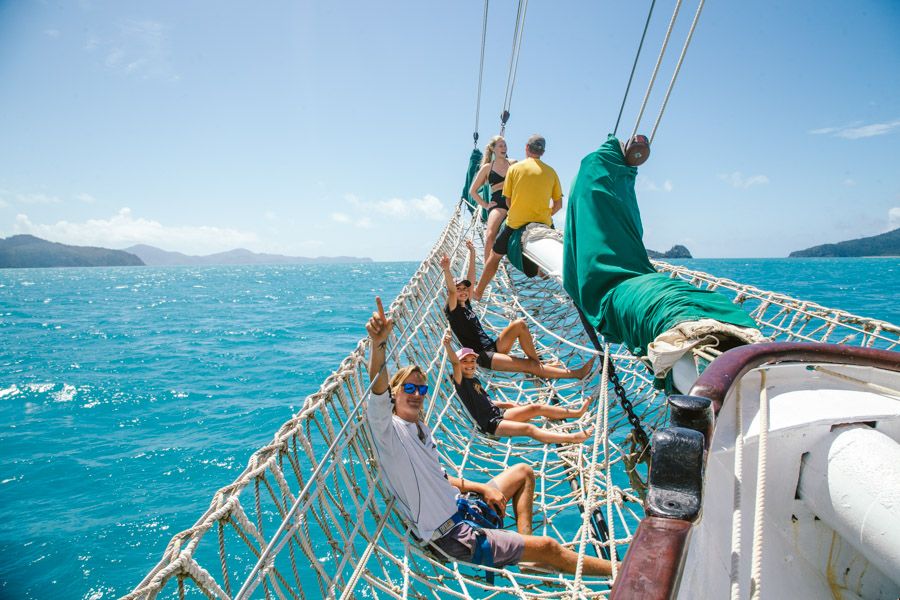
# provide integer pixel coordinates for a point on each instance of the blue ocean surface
(128, 396)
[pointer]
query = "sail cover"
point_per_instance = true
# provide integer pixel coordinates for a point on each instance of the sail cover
(606, 270)
(474, 165)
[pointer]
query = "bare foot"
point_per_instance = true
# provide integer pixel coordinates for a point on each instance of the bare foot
(585, 369)
(585, 405)
(581, 436)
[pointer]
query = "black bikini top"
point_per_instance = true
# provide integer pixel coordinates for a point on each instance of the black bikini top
(494, 178)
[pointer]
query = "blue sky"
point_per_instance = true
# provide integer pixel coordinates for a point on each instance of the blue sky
(333, 128)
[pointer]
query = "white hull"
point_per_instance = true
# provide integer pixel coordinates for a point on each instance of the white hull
(805, 555)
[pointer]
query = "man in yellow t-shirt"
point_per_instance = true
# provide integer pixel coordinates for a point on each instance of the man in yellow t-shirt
(529, 188)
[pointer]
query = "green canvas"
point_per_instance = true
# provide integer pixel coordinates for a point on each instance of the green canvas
(636, 311)
(474, 165)
(605, 266)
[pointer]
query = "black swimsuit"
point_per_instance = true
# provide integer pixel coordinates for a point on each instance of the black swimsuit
(485, 413)
(465, 324)
(497, 196)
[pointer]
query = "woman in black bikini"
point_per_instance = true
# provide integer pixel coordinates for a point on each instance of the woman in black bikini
(493, 170)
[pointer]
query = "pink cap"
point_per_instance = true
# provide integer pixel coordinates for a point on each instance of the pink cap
(464, 352)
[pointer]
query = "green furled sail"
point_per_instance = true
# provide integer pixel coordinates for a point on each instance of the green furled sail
(605, 266)
(474, 165)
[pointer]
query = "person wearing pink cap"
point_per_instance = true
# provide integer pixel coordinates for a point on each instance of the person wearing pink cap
(494, 353)
(507, 419)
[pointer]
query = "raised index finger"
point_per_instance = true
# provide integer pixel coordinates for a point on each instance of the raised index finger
(380, 307)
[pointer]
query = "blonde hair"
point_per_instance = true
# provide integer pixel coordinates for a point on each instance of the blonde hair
(489, 150)
(398, 378)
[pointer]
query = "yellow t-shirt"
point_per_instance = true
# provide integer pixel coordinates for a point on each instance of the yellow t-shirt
(530, 185)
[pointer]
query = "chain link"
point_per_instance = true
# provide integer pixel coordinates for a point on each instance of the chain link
(640, 434)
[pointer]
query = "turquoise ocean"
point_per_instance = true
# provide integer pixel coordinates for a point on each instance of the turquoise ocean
(128, 396)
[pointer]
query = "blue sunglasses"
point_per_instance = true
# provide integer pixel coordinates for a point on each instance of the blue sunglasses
(411, 388)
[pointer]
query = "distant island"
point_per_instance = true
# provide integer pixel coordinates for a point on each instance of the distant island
(885, 244)
(676, 251)
(28, 251)
(156, 257)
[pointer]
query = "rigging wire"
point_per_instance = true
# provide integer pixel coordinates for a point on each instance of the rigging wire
(634, 66)
(687, 42)
(662, 52)
(518, 35)
(481, 71)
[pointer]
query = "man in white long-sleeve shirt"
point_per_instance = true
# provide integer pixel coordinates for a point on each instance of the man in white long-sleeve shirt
(427, 495)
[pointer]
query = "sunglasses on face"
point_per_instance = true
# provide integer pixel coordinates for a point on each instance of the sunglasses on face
(411, 388)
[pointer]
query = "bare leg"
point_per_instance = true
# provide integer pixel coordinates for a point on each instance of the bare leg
(512, 429)
(548, 552)
(517, 330)
(494, 220)
(490, 269)
(517, 484)
(526, 412)
(505, 362)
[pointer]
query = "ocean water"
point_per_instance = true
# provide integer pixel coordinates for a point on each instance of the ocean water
(128, 396)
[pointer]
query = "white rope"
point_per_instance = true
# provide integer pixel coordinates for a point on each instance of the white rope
(760, 507)
(735, 573)
(604, 385)
(518, 35)
(592, 486)
(662, 52)
(484, 19)
(868, 384)
(687, 42)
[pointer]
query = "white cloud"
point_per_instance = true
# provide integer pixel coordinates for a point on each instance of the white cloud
(138, 48)
(644, 184)
(857, 131)
(32, 198)
(362, 222)
(428, 207)
(54, 33)
(894, 217)
(270, 215)
(86, 198)
(738, 180)
(122, 229)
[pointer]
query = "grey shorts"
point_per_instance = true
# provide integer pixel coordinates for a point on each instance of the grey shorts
(507, 546)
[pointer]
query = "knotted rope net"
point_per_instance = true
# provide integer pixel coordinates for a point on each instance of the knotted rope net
(310, 517)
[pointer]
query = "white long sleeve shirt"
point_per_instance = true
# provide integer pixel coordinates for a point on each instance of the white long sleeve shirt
(412, 468)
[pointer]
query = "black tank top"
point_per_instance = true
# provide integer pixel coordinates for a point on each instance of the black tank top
(465, 324)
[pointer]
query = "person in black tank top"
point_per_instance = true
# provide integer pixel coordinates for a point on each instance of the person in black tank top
(493, 170)
(493, 353)
(507, 419)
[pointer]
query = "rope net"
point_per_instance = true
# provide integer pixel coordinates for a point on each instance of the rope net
(311, 503)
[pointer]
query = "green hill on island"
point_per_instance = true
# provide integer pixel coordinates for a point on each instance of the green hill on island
(676, 251)
(885, 244)
(26, 251)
